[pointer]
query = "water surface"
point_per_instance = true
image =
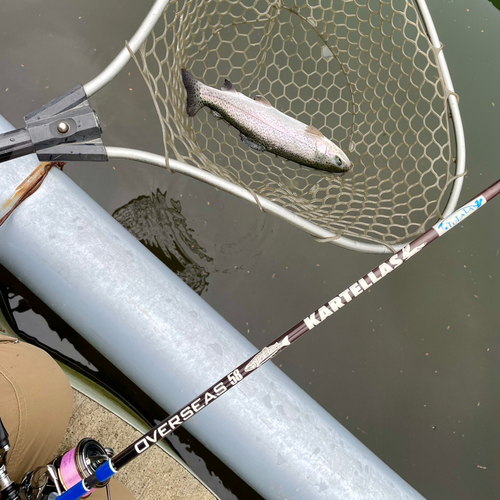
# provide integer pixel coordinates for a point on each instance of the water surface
(412, 368)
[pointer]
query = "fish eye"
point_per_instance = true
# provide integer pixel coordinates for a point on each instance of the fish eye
(338, 161)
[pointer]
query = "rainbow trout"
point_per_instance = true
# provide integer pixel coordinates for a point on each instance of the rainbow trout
(264, 128)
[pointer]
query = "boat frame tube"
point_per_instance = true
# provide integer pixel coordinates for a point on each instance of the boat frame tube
(84, 265)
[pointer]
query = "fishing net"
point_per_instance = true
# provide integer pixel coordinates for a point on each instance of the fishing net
(361, 71)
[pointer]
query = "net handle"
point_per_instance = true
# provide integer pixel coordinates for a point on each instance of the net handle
(268, 206)
(119, 62)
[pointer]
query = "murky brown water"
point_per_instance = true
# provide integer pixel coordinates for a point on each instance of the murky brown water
(412, 368)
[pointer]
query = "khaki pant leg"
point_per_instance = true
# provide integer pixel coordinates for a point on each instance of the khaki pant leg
(36, 402)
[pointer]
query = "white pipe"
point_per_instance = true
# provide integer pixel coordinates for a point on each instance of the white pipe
(93, 273)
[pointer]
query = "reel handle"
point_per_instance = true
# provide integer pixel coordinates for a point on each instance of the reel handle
(4, 437)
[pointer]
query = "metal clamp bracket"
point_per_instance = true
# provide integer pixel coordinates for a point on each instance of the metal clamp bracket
(64, 129)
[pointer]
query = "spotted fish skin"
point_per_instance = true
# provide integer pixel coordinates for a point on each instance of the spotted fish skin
(264, 128)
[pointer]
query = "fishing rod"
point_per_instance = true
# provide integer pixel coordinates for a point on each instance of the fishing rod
(167, 426)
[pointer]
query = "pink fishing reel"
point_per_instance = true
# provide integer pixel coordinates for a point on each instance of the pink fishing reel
(67, 470)
(81, 462)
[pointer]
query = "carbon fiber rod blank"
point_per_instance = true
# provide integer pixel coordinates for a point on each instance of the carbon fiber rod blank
(181, 416)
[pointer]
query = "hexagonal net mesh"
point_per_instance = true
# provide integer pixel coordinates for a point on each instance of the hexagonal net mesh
(361, 71)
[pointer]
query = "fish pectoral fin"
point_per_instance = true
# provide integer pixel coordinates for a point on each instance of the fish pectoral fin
(313, 131)
(228, 86)
(263, 100)
(252, 143)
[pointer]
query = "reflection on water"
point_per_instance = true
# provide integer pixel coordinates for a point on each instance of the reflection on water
(160, 226)
(47, 337)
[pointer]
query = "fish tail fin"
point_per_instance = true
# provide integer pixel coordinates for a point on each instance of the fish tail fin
(194, 102)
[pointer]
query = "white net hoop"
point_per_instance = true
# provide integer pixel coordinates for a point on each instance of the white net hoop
(363, 72)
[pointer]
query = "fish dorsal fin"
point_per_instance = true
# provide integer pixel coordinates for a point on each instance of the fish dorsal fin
(228, 86)
(313, 131)
(263, 100)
